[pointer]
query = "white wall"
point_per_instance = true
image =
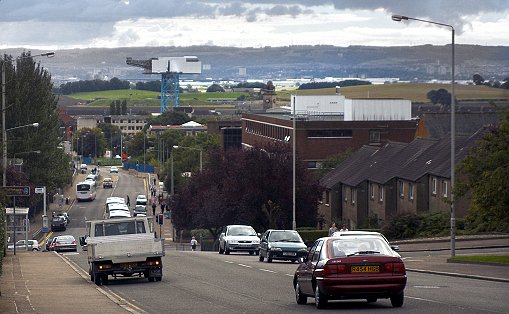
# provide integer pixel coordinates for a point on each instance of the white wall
(318, 104)
(377, 109)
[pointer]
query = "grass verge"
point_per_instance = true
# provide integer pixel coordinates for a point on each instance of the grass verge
(491, 259)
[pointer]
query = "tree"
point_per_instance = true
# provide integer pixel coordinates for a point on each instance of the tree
(440, 96)
(478, 79)
(29, 93)
(248, 187)
(486, 177)
(169, 117)
(215, 88)
(112, 108)
(123, 108)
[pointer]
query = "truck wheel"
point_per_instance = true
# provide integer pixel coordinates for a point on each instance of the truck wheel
(104, 279)
(226, 250)
(159, 278)
(151, 279)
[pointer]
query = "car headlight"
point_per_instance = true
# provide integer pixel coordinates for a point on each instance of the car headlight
(303, 250)
(232, 241)
(275, 249)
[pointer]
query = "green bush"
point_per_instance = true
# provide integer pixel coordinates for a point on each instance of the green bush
(309, 236)
(407, 226)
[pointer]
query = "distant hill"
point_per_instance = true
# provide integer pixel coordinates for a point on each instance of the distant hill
(416, 63)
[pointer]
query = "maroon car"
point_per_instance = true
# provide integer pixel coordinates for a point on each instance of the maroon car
(357, 267)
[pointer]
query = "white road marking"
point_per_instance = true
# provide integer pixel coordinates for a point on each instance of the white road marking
(228, 262)
(267, 270)
(289, 275)
(247, 266)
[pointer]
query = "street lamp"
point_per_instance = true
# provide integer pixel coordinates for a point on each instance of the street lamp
(4, 108)
(399, 18)
(29, 152)
(199, 149)
(4, 159)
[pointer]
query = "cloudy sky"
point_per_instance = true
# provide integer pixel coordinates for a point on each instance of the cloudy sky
(62, 24)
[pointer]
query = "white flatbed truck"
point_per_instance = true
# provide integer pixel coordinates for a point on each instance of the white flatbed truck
(123, 247)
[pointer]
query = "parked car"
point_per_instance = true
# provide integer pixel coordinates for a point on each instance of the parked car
(91, 178)
(118, 213)
(65, 216)
(58, 223)
(64, 243)
(356, 267)
(32, 245)
(282, 245)
(113, 169)
(140, 210)
(83, 168)
(239, 238)
(107, 183)
(141, 199)
(49, 242)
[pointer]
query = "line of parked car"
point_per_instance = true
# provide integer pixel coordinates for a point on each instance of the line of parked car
(347, 265)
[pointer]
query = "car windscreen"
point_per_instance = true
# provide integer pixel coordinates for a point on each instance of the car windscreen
(241, 231)
(359, 246)
(65, 240)
(284, 236)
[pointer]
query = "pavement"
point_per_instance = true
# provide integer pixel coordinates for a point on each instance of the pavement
(27, 275)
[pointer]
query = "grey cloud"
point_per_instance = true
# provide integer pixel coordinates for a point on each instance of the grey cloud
(448, 11)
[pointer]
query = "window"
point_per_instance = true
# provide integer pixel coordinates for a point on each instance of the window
(330, 133)
(374, 136)
(434, 186)
(380, 193)
(352, 194)
(401, 189)
(410, 191)
(371, 190)
(444, 188)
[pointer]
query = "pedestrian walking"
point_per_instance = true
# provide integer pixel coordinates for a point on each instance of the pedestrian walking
(332, 229)
(128, 201)
(154, 208)
(162, 207)
(193, 243)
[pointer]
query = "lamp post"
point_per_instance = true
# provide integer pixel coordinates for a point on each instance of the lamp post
(4, 108)
(199, 149)
(294, 142)
(4, 159)
(29, 152)
(399, 18)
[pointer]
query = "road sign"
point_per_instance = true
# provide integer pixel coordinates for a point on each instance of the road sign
(17, 190)
(39, 190)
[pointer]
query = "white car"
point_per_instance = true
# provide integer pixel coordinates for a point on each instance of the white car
(364, 233)
(141, 199)
(33, 245)
(113, 169)
(239, 238)
(91, 178)
(119, 214)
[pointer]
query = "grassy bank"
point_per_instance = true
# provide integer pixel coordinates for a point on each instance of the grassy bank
(491, 259)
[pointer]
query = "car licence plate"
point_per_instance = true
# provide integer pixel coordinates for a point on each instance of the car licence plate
(365, 269)
(289, 253)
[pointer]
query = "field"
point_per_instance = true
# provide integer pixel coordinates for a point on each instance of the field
(414, 92)
(147, 98)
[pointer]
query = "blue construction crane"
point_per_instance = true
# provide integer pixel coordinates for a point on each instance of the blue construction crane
(170, 69)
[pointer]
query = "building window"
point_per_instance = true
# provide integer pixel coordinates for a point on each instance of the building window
(410, 191)
(371, 190)
(380, 193)
(352, 194)
(434, 186)
(330, 133)
(374, 136)
(444, 188)
(401, 189)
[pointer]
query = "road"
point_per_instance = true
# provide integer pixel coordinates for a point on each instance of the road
(207, 282)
